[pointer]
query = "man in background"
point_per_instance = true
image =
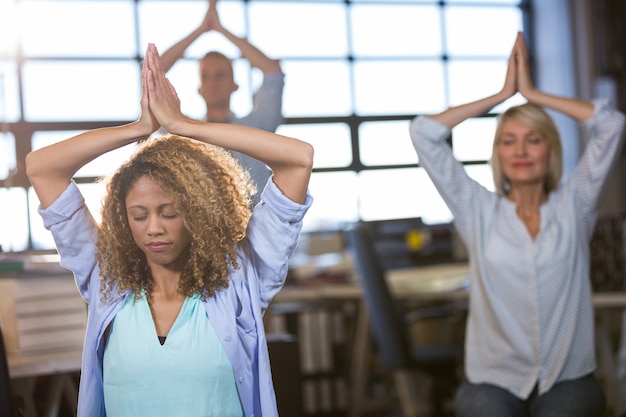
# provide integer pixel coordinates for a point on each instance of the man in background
(217, 84)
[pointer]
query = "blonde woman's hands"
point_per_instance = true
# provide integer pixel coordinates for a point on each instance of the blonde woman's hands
(525, 84)
(510, 81)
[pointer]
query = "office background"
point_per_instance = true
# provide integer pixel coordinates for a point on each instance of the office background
(356, 73)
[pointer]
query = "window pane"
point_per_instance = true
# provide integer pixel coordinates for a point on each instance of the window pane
(101, 166)
(9, 94)
(81, 90)
(8, 162)
(93, 194)
(185, 77)
(472, 30)
(472, 80)
(13, 220)
(315, 88)
(78, 28)
(336, 198)
(399, 30)
(398, 87)
(241, 100)
(299, 29)
(472, 140)
(395, 1)
(331, 142)
(511, 2)
(180, 18)
(482, 174)
(42, 238)
(386, 143)
(9, 28)
(400, 193)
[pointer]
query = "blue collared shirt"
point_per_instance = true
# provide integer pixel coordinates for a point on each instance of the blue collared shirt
(271, 239)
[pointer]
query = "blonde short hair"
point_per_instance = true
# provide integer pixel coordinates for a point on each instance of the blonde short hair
(539, 120)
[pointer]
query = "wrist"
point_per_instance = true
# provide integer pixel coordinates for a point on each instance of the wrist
(139, 131)
(530, 94)
(177, 126)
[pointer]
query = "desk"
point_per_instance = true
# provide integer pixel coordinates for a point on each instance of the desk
(443, 283)
(59, 366)
(428, 283)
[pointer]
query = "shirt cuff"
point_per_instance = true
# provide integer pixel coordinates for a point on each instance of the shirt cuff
(429, 127)
(286, 208)
(63, 207)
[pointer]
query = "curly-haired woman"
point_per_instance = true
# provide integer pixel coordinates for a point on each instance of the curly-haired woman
(179, 270)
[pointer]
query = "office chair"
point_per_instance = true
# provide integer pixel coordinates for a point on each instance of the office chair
(391, 333)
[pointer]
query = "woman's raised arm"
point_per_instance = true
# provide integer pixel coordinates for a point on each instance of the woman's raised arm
(455, 115)
(580, 110)
(51, 169)
(290, 159)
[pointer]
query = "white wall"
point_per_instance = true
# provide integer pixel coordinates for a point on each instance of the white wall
(565, 61)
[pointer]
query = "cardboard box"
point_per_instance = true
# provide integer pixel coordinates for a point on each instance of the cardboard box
(41, 313)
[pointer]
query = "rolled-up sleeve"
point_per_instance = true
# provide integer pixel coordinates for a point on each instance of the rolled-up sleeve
(273, 233)
(74, 231)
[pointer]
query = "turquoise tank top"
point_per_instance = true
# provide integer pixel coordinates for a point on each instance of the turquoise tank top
(188, 376)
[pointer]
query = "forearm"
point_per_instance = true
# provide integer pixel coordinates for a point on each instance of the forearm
(270, 148)
(50, 169)
(250, 52)
(455, 115)
(176, 51)
(580, 110)
(290, 159)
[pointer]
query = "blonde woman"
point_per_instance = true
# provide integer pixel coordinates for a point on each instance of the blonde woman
(529, 348)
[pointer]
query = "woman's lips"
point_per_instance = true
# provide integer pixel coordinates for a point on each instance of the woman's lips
(158, 246)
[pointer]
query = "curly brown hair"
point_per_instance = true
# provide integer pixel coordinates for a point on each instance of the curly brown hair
(211, 191)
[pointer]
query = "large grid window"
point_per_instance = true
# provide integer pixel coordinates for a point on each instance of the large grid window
(356, 73)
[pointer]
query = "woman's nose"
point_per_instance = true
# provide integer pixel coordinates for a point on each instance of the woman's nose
(154, 226)
(520, 148)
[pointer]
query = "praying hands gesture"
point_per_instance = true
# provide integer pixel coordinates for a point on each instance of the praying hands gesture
(159, 101)
(290, 159)
(52, 168)
(211, 22)
(580, 110)
(518, 79)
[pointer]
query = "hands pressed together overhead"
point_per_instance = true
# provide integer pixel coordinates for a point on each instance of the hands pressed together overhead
(519, 80)
(211, 20)
(160, 105)
(518, 75)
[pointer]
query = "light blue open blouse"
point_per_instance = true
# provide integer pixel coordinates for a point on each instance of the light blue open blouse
(188, 376)
(236, 312)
